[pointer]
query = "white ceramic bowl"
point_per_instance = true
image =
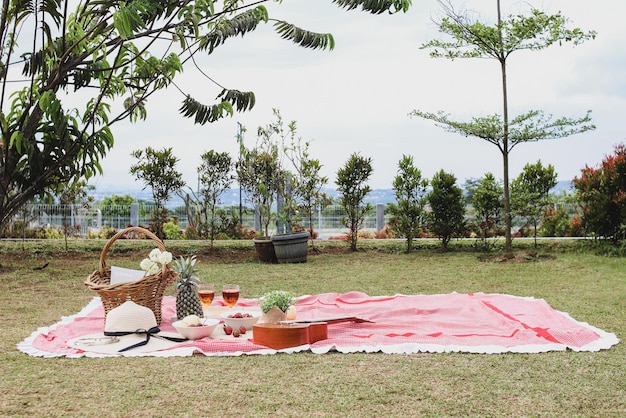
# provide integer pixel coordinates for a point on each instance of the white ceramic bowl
(238, 322)
(195, 333)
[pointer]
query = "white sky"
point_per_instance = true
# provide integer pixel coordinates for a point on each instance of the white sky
(357, 98)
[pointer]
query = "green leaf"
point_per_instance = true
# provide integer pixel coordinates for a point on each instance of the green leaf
(241, 100)
(203, 114)
(45, 100)
(239, 25)
(376, 6)
(16, 141)
(304, 38)
(127, 19)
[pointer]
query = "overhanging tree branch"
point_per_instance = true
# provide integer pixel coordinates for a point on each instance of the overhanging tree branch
(46, 140)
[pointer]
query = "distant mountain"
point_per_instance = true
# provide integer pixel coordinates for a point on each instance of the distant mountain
(563, 185)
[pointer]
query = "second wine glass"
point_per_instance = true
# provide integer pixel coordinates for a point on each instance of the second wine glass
(230, 293)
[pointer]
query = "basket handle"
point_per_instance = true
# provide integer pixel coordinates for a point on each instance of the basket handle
(122, 233)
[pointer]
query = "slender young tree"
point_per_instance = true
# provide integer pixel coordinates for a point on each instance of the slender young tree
(470, 38)
(530, 193)
(157, 169)
(72, 197)
(260, 173)
(308, 179)
(69, 71)
(411, 191)
(352, 187)
(214, 178)
(447, 216)
(487, 203)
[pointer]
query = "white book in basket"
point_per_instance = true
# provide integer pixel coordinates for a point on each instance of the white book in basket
(124, 275)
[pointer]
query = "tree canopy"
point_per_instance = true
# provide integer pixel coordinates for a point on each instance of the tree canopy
(469, 37)
(601, 192)
(67, 75)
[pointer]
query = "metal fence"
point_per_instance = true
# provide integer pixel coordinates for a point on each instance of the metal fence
(86, 219)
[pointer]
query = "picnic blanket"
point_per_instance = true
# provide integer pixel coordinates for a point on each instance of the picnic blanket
(401, 324)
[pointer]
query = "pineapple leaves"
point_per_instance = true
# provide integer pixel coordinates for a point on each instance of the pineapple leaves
(186, 270)
(303, 37)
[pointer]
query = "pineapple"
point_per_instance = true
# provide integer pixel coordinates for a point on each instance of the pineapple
(187, 300)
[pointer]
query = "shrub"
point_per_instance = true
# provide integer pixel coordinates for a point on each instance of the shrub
(446, 219)
(601, 193)
(575, 227)
(313, 234)
(366, 234)
(245, 233)
(386, 233)
(191, 233)
(555, 223)
(50, 233)
(171, 230)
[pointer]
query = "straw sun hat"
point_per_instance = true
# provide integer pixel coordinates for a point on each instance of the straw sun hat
(129, 327)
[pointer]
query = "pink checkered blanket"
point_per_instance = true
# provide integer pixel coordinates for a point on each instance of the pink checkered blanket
(403, 324)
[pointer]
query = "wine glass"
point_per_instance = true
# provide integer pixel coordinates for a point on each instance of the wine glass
(230, 293)
(206, 292)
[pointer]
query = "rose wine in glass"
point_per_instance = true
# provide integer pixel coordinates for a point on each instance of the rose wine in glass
(230, 293)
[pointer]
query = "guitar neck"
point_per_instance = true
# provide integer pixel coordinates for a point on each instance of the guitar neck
(328, 320)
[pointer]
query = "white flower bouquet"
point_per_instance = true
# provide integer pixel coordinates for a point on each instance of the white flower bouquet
(155, 261)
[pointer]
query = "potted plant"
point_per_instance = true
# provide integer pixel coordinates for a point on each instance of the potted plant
(259, 173)
(279, 170)
(300, 191)
(277, 306)
(292, 246)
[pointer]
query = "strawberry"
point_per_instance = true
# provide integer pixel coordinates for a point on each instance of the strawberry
(228, 329)
(242, 330)
(236, 333)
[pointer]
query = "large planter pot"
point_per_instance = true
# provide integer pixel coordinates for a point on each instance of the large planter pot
(291, 248)
(265, 250)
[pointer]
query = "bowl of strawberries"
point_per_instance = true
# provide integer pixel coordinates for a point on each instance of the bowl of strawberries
(240, 318)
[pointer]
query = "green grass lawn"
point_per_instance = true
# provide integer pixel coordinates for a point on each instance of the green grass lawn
(570, 277)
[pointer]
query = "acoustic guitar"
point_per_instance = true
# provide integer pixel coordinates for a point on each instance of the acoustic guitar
(296, 333)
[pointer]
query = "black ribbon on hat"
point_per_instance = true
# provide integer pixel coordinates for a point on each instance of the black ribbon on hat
(152, 332)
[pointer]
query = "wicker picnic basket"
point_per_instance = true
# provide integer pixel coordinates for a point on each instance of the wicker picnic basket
(147, 291)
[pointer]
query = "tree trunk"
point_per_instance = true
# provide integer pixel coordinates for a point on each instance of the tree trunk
(505, 140)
